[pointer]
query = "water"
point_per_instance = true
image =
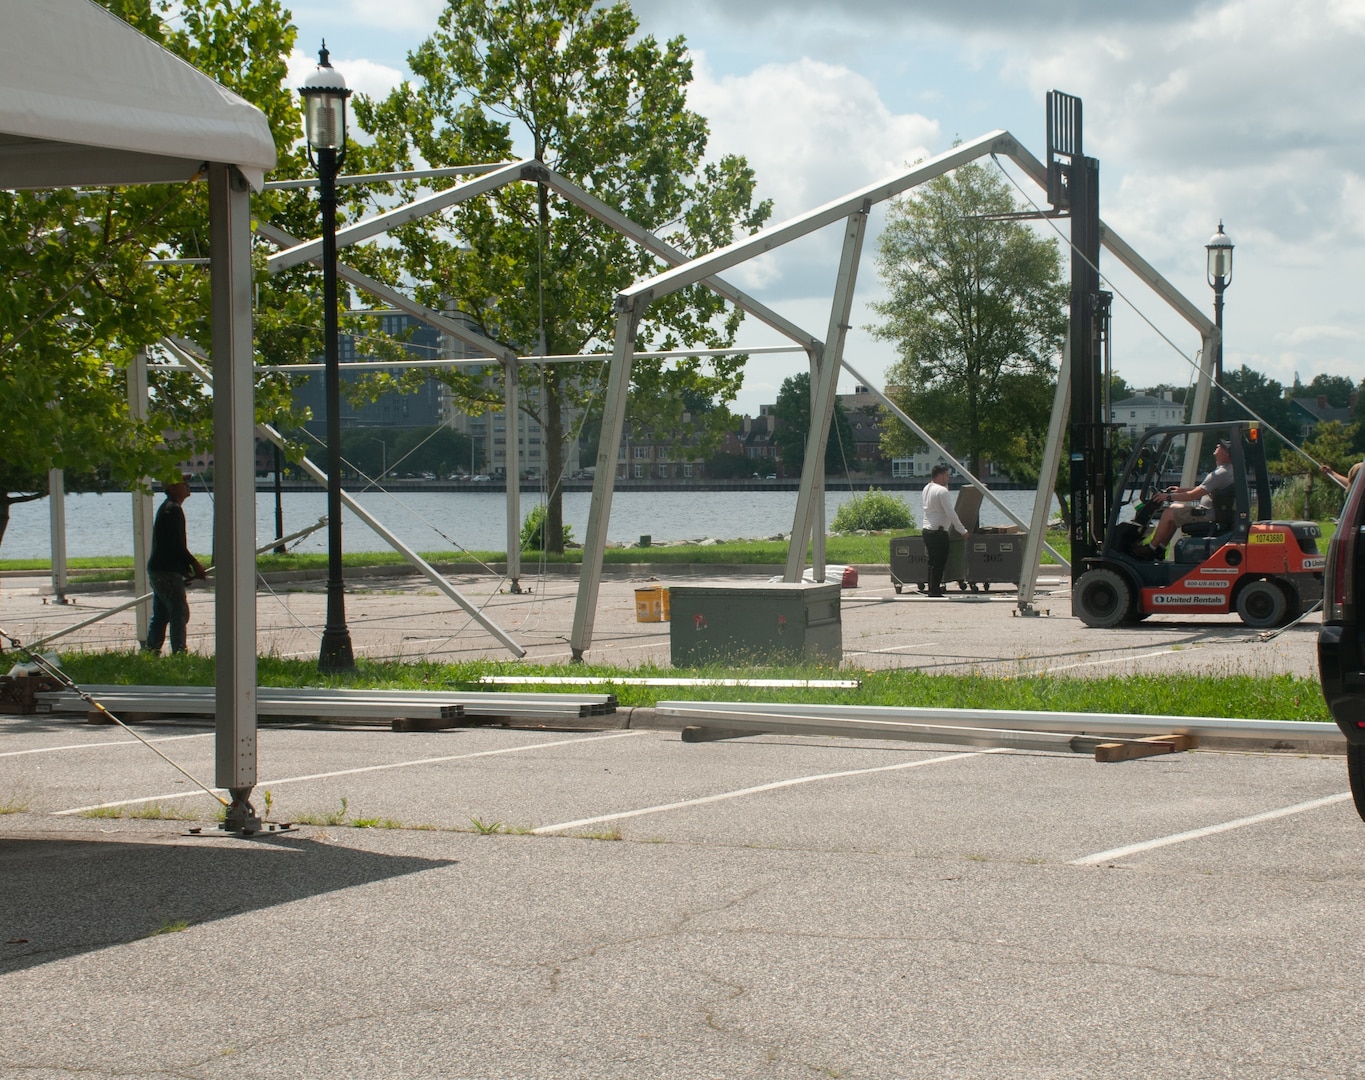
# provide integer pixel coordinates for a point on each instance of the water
(98, 525)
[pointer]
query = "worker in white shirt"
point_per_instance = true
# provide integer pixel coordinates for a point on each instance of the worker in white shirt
(939, 517)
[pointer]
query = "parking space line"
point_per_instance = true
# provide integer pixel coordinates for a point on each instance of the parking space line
(102, 745)
(362, 769)
(893, 648)
(742, 792)
(1208, 830)
(1125, 659)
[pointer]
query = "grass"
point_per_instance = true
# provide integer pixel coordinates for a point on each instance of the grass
(1248, 696)
(171, 926)
(12, 806)
(853, 548)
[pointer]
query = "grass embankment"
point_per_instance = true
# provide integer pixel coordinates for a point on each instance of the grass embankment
(1271, 697)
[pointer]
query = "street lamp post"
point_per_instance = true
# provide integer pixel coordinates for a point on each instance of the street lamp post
(383, 457)
(324, 104)
(1219, 249)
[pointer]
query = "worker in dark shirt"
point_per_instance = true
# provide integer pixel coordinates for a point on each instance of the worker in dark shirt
(168, 567)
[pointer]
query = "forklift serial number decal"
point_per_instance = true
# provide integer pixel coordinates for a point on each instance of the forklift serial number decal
(1266, 538)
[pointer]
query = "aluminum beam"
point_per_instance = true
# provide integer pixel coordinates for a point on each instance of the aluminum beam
(604, 478)
(720, 723)
(401, 215)
(810, 499)
(1097, 723)
(776, 236)
(511, 408)
(1047, 483)
(1199, 411)
(234, 519)
(138, 409)
(56, 511)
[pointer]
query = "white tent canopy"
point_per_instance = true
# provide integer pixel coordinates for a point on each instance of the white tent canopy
(87, 100)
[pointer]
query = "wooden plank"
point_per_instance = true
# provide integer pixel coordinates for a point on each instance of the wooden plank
(1146, 747)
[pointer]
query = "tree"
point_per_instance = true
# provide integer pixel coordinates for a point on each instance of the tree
(792, 427)
(1254, 396)
(974, 300)
(82, 298)
(1337, 389)
(571, 83)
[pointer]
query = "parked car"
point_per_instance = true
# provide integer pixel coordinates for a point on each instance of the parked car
(1341, 665)
(481, 478)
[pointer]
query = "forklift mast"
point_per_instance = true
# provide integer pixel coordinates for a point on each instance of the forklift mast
(1073, 187)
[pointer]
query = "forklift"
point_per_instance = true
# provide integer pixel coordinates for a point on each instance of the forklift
(1239, 560)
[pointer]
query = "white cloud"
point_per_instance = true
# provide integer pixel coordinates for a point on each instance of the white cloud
(811, 132)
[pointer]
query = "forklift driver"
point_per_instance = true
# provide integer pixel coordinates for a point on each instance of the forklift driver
(1196, 503)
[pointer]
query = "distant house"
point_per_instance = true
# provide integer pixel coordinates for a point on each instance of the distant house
(867, 437)
(1136, 414)
(1309, 412)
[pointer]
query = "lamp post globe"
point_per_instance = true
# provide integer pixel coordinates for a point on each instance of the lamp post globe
(1219, 270)
(324, 106)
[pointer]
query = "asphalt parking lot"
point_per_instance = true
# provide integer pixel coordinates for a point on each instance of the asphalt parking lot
(402, 616)
(490, 903)
(765, 907)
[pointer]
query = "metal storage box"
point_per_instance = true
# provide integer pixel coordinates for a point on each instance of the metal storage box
(910, 562)
(757, 623)
(995, 558)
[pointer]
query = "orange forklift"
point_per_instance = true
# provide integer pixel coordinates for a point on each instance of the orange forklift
(1239, 560)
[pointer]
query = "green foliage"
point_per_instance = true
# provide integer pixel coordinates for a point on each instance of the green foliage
(1307, 498)
(533, 530)
(874, 512)
(605, 107)
(975, 304)
(792, 415)
(81, 298)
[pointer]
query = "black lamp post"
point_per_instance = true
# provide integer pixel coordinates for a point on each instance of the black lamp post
(324, 106)
(1219, 250)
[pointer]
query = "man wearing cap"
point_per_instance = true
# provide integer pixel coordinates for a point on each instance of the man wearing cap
(1196, 503)
(168, 566)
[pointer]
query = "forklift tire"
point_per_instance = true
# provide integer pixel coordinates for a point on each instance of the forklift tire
(1262, 604)
(1103, 598)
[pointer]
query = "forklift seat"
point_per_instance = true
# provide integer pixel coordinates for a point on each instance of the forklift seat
(1202, 538)
(1224, 518)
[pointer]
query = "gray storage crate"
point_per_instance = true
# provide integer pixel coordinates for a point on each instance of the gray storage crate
(760, 623)
(910, 562)
(995, 558)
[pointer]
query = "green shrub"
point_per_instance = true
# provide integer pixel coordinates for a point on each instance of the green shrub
(874, 512)
(533, 530)
(1293, 501)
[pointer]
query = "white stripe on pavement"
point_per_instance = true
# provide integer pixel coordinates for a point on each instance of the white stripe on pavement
(742, 792)
(1207, 830)
(102, 745)
(362, 769)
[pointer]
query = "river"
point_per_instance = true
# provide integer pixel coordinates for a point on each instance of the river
(98, 525)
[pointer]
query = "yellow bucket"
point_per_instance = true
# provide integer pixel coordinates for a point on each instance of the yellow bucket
(651, 604)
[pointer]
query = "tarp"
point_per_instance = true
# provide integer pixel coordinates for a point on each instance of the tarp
(87, 100)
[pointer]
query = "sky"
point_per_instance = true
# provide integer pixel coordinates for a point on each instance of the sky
(1248, 112)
